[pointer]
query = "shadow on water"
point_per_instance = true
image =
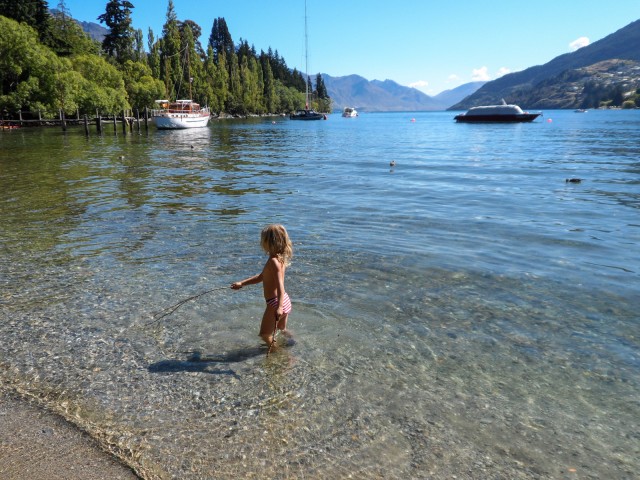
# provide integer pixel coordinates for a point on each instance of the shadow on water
(197, 362)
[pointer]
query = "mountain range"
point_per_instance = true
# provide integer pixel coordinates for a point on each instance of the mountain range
(563, 81)
(386, 96)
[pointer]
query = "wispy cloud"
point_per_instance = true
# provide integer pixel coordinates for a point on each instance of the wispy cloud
(503, 71)
(480, 74)
(419, 84)
(453, 78)
(579, 43)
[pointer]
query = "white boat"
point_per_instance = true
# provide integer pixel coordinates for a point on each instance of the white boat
(179, 115)
(497, 113)
(349, 112)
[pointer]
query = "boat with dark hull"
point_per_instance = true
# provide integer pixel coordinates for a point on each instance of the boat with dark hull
(307, 115)
(497, 114)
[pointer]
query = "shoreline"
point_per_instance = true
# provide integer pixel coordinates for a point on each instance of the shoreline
(38, 444)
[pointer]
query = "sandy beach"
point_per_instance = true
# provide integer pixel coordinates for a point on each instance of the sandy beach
(38, 445)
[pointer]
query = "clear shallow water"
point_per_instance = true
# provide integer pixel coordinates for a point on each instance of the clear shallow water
(465, 312)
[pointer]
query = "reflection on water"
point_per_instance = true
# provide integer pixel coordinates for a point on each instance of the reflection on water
(466, 313)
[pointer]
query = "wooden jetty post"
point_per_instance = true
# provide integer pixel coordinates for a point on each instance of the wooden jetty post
(115, 126)
(98, 122)
(86, 124)
(124, 123)
(146, 119)
(63, 121)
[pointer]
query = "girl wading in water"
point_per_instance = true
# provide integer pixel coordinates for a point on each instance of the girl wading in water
(275, 241)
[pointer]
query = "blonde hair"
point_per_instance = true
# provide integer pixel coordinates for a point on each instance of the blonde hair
(274, 240)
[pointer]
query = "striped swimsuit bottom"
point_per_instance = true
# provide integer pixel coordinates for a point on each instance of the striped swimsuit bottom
(286, 303)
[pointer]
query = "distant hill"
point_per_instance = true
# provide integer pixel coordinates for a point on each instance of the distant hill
(453, 96)
(95, 30)
(622, 45)
(389, 96)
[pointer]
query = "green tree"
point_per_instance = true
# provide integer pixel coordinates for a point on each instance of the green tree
(34, 13)
(234, 99)
(104, 89)
(138, 46)
(271, 100)
(27, 69)
(321, 89)
(193, 76)
(66, 37)
(153, 58)
(170, 53)
(617, 97)
(142, 88)
(220, 39)
(119, 42)
(221, 82)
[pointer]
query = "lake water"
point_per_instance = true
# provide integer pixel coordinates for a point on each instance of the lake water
(465, 313)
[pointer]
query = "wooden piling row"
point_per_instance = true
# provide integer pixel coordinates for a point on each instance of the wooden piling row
(85, 120)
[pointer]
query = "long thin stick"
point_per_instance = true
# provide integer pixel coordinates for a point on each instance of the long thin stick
(169, 310)
(273, 337)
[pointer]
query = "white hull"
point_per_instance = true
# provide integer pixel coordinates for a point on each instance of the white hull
(178, 121)
(349, 112)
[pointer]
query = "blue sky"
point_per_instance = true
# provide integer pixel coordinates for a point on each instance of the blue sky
(434, 45)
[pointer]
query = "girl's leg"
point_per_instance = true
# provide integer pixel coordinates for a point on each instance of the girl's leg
(282, 323)
(268, 324)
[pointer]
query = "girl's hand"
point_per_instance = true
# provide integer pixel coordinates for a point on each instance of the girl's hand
(236, 285)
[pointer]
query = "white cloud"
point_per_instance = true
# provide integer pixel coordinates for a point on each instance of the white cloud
(502, 71)
(480, 74)
(453, 78)
(579, 43)
(419, 84)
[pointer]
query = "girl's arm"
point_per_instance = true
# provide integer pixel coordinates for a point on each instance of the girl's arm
(247, 281)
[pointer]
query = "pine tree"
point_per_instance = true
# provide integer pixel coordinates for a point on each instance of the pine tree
(321, 89)
(220, 39)
(119, 42)
(170, 53)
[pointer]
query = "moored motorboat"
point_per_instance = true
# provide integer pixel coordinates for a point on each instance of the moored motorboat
(180, 114)
(497, 113)
(349, 112)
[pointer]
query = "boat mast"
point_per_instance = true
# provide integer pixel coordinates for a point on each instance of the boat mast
(306, 57)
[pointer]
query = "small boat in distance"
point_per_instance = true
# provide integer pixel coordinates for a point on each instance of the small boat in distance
(180, 114)
(497, 113)
(349, 112)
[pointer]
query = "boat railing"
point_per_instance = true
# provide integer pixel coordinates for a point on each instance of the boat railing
(183, 111)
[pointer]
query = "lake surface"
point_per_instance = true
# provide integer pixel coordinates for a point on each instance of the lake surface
(466, 312)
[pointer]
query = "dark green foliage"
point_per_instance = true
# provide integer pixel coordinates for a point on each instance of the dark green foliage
(220, 38)
(34, 13)
(321, 89)
(119, 42)
(52, 64)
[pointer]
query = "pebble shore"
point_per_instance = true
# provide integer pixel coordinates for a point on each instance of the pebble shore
(39, 445)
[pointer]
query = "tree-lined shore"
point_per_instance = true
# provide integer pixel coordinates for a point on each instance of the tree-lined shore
(49, 64)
